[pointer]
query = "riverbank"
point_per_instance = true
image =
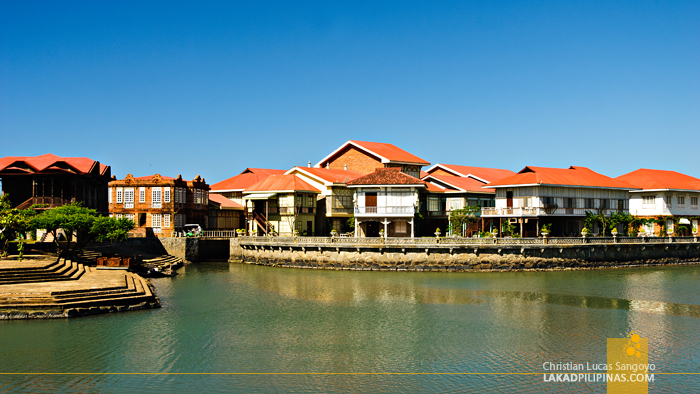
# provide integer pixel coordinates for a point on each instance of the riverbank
(45, 288)
(468, 255)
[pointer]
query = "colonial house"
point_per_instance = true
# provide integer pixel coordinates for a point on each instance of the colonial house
(233, 188)
(364, 157)
(664, 193)
(452, 187)
(335, 201)
(386, 199)
(281, 204)
(52, 180)
(159, 205)
(561, 196)
(225, 214)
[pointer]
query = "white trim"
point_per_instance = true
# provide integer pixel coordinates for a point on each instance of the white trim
(382, 185)
(665, 190)
(555, 185)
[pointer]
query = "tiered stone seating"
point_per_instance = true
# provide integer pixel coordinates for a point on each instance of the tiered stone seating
(42, 272)
(66, 289)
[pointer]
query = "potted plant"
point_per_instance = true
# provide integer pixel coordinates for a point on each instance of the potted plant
(695, 230)
(437, 232)
(585, 232)
(545, 229)
(494, 233)
(381, 233)
(334, 233)
(614, 232)
(296, 233)
(669, 232)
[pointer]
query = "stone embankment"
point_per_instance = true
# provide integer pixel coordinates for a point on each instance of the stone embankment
(34, 289)
(447, 254)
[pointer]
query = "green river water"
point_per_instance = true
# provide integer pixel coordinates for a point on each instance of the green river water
(252, 329)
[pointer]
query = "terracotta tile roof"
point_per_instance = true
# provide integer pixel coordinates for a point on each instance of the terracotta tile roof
(483, 173)
(49, 162)
(328, 174)
(461, 184)
(224, 202)
(245, 179)
(660, 179)
(386, 176)
(387, 153)
(572, 176)
(282, 183)
(432, 188)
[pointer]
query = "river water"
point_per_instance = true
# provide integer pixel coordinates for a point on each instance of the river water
(239, 328)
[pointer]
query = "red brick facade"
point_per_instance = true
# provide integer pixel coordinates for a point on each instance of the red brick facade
(159, 205)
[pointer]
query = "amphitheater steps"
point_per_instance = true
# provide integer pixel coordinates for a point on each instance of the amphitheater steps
(64, 270)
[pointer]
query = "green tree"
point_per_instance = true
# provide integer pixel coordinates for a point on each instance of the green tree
(14, 223)
(82, 225)
(461, 217)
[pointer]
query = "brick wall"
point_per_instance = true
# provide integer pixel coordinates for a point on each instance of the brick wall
(356, 160)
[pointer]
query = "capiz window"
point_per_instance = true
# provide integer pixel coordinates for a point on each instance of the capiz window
(400, 227)
(648, 201)
(156, 222)
(694, 202)
(680, 200)
(156, 197)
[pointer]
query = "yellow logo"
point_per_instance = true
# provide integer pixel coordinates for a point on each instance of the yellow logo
(628, 365)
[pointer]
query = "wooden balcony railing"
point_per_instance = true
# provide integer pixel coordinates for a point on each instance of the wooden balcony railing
(386, 210)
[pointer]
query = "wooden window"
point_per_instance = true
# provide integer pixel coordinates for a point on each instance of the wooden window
(130, 216)
(166, 194)
(142, 195)
(156, 197)
(694, 202)
(590, 203)
(156, 222)
(648, 201)
(370, 199)
(109, 196)
(120, 195)
(129, 197)
(668, 200)
(400, 227)
(166, 220)
(680, 201)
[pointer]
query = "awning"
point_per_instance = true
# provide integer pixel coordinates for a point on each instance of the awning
(259, 196)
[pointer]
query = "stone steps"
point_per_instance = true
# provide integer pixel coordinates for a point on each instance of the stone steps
(68, 270)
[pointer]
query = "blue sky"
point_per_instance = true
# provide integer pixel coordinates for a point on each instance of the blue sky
(211, 88)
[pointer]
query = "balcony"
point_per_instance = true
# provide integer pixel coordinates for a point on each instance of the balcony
(386, 210)
(549, 210)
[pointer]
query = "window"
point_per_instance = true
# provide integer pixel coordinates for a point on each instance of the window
(119, 216)
(549, 201)
(120, 195)
(129, 216)
(400, 227)
(166, 220)
(455, 203)
(156, 201)
(129, 197)
(109, 196)
(166, 194)
(590, 203)
(142, 195)
(668, 200)
(680, 201)
(694, 202)
(156, 221)
(604, 204)
(433, 204)
(569, 203)
(648, 201)
(298, 225)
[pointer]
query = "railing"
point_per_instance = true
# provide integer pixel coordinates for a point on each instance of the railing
(50, 201)
(542, 211)
(332, 210)
(457, 241)
(386, 210)
(218, 234)
(291, 210)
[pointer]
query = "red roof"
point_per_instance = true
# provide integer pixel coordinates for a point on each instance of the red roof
(224, 202)
(462, 184)
(328, 174)
(660, 179)
(49, 162)
(387, 153)
(572, 176)
(483, 173)
(282, 183)
(386, 176)
(245, 179)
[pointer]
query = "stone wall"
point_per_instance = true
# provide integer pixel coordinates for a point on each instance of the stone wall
(184, 248)
(463, 258)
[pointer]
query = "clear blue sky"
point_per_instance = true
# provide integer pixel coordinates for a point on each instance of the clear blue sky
(213, 87)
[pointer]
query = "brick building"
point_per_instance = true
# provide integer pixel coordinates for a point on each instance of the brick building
(159, 205)
(52, 180)
(364, 157)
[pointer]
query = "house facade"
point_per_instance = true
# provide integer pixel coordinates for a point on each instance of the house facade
(54, 181)
(159, 205)
(233, 188)
(281, 204)
(225, 214)
(452, 187)
(667, 194)
(386, 201)
(558, 196)
(335, 201)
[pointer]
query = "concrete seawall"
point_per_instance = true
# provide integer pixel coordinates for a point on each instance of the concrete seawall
(462, 257)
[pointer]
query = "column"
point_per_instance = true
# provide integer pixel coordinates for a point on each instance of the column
(411, 228)
(386, 222)
(357, 228)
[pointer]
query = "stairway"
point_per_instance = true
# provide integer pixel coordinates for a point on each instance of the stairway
(56, 271)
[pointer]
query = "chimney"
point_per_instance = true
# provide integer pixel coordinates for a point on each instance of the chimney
(345, 167)
(309, 164)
